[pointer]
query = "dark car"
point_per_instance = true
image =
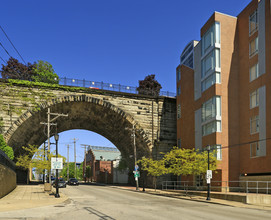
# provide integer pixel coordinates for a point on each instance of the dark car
(53, 179)
(61, 183)
(73, 181)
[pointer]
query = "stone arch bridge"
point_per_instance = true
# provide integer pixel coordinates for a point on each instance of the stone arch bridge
(23, 105)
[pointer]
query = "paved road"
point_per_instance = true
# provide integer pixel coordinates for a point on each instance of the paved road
(106, 203)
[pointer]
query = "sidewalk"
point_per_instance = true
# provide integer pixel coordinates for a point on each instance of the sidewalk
(29, 196)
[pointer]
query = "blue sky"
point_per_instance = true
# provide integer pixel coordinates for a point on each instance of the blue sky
(114, 41)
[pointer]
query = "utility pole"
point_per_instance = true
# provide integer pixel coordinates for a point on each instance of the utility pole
(49, 123)
(85, 159)
(136, 178)
(68, 168)
(74, 142)
(136, 172)
(44, 161)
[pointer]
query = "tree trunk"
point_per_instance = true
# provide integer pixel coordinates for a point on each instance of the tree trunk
(27, 177)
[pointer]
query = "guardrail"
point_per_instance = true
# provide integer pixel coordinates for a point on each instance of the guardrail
(4, 160)
(106, 86)
(263, 187)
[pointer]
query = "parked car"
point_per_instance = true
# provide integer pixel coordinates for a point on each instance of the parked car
(73, 181)
(53, 179)
(61, 183)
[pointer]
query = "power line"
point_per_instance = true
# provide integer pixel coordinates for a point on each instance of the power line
(245, 143)
(4, 49)
(12, 45)
(3, 60)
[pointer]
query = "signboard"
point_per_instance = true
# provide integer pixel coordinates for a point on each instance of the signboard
(56, 163)
(209, 174)
(136, 174)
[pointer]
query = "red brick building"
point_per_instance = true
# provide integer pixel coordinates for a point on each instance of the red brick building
(224, 93)
(101, 159)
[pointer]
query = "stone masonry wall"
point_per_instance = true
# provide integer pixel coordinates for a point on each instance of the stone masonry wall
(156, 116)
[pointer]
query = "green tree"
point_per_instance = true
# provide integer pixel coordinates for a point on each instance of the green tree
(64, 174)
(123, 164)
(88, 172)
(7, 149)
(154, 168)
(180, 161)
(1, 125)
(80, 172)
(44, 72)
(149, 86)
(36, 158)
(24, 161)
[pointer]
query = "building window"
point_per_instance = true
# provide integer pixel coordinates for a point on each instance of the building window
(210, 62)
(211, 127)
(254, 124)
(255, 149)
(210, 80)
(179, 111)
(179, 143)
(178, 75)
(253, 47)
(254, 99)
(211, 116)
(253, 22)
(217, 151)
(179, 90)
(254, 72)
(211, 109)
(187, 50)
(189, 61)
(210, 38)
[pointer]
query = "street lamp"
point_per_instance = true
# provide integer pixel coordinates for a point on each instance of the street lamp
(57, 189)
(208, 179)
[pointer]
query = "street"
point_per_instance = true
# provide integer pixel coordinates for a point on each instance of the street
(103, 202)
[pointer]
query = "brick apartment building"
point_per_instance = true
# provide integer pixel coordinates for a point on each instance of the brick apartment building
(224, 92)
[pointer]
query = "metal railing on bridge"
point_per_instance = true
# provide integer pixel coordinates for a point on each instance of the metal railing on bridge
(106, 86)
(263, 187)
(4, 160)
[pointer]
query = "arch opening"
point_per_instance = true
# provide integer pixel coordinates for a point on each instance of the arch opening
(86, 113)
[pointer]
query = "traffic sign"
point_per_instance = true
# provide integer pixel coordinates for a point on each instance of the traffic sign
(209, 174)
(136, 174)
(56, 163)
(136, 167)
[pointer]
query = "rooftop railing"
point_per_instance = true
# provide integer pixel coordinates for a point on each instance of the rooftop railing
(106, 86)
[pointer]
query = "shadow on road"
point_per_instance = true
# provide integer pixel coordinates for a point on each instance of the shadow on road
(98, 213)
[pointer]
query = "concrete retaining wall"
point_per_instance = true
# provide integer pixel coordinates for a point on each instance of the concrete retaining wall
(7, 180)
(259, 199)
